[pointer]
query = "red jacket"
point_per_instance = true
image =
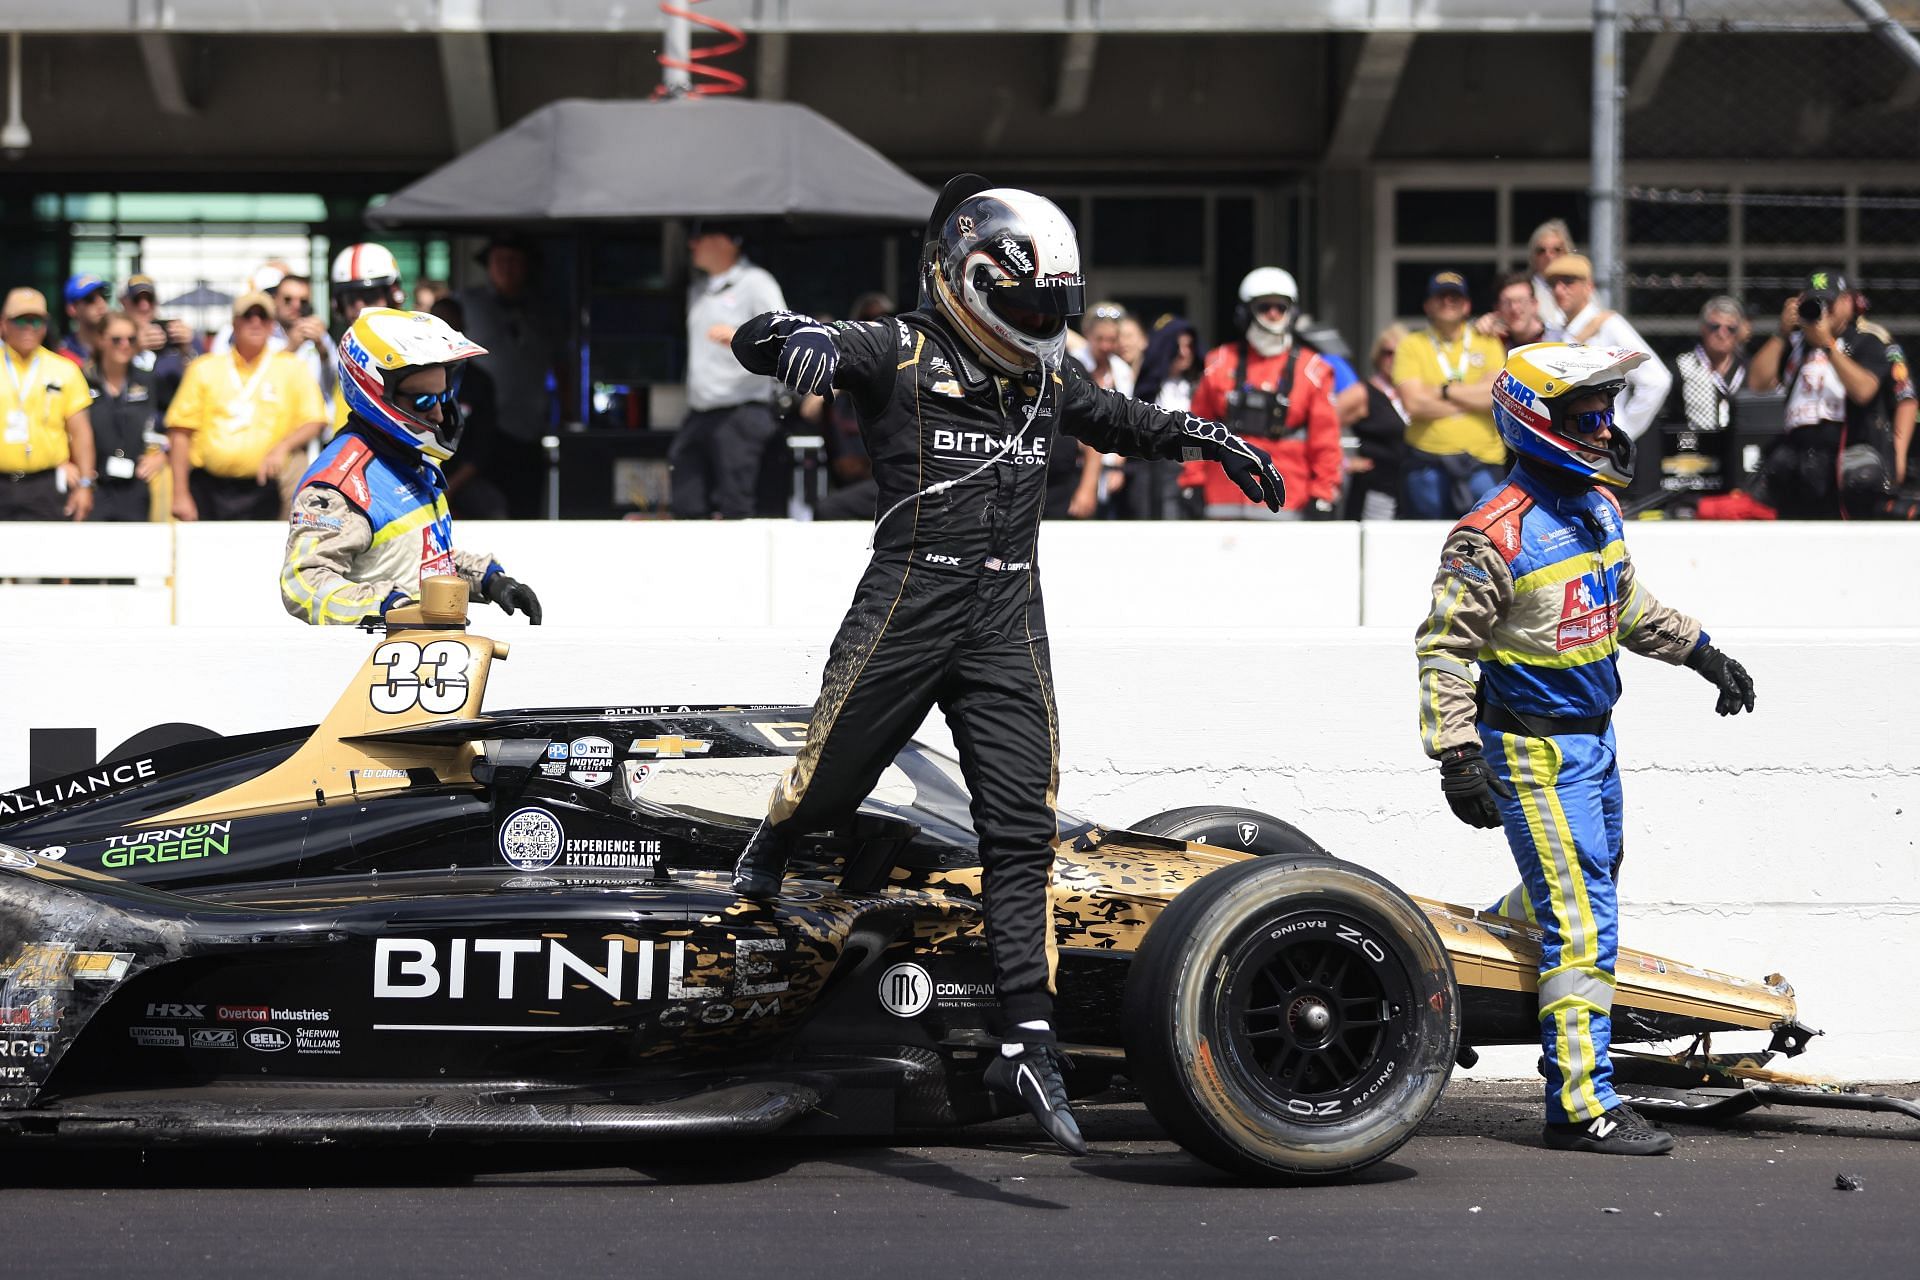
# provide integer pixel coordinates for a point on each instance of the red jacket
(1309, 461)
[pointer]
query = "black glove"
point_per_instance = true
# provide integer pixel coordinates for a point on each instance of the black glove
(807, 360)
(1318, 509)
(1728, 676)
(1470, 785)
(512, 595)
(1246, 465)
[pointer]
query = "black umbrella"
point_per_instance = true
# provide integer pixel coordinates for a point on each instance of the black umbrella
(202, 296)
(579, 161)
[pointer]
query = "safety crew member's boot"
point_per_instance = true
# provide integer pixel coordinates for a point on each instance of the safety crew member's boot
(761, 865)
(1033, 1075)
(1617, 1131)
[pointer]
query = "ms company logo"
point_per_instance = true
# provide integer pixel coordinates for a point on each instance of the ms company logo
(906, 990)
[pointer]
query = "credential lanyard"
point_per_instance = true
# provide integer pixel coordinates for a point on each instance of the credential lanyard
(20, 395)
(252, 384)
(1449, 371)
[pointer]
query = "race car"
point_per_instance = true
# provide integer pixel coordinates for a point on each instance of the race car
(421, 921)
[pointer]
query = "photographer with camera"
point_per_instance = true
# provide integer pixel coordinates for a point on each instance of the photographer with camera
(1842, 399)
(305, 333)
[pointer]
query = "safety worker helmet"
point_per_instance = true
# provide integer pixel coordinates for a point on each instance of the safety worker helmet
(381, 349)
(364, 273)
(1531, 406)
(1006, 272)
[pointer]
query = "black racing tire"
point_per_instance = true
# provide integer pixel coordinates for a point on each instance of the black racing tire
(1291, 1019)
(1224, 827)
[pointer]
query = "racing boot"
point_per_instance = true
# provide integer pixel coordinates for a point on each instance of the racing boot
(1033, 1075)
(758, 870)
(1617, 1131)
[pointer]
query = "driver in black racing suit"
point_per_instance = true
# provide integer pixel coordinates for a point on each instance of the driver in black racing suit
(959, 403)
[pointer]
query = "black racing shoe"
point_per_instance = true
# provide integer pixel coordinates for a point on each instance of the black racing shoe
(1617, 1131)
(761, 865)
(1033, 1076)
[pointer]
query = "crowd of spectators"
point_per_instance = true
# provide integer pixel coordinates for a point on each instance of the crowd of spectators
(125, 414)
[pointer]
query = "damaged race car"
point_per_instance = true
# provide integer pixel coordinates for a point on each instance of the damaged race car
(421, 921)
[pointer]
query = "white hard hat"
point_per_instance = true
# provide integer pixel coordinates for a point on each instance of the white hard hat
(1269, 282)
(365, 264)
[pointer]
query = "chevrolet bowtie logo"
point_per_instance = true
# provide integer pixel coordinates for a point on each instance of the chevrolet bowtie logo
(54, 966)
(669, 747)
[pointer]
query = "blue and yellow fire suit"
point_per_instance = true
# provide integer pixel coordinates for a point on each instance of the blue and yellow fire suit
(369, 522)
(1536, 587)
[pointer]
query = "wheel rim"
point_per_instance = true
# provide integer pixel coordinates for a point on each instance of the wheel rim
(1312, 1006)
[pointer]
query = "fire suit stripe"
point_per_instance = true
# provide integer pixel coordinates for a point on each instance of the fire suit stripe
(418, 518)
(1632, 609)
(1534, 772)
(1571, 985)
(1044, 679)
(318, 608)
(1440, 623)
(1574, 566)
(793, 785)
(1579, 657)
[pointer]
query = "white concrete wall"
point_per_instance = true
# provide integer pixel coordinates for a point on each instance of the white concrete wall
(775, 573)
(1785, 841)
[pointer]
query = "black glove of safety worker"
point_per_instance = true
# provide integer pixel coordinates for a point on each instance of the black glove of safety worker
(1470, 785)
(1246, 465)
(807, 360)
(1728, 676)
(512, 595)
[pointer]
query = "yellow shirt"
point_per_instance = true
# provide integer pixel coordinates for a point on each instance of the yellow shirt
(1472, 357)
(37, 396)
(238, 411)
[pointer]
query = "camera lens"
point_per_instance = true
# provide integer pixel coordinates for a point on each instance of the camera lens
(1810, 310)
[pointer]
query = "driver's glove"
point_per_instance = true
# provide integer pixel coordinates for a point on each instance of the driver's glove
(512, 595)
(1246, 465)
(807, 360)
(1470, 785)
(1728, 676)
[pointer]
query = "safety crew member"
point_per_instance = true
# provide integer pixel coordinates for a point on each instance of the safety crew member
(370, 519)
(961, 401)
(1535, 585)
(1266, 385)
(46, 435)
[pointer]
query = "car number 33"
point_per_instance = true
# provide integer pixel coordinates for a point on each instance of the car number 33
(432, 677)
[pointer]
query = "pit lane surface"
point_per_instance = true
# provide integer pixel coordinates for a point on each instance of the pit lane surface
(1473, 1189)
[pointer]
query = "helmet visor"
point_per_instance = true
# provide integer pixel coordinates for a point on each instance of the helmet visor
(1037, 308)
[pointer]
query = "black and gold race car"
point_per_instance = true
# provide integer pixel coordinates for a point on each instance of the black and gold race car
(419, 920)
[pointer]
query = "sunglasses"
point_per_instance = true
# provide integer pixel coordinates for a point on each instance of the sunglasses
(121, 339)
(1719, 328)
(421, 401)
(1270, 308)
(29, 322)
(1386, 353)
(1109, 313)
(1590, 422)
(1554, 282)
(255, 313)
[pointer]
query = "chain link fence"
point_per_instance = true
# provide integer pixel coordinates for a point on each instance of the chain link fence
(1762, 140)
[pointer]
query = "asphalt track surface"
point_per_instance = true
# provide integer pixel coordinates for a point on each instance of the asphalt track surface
(1473, 1190)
